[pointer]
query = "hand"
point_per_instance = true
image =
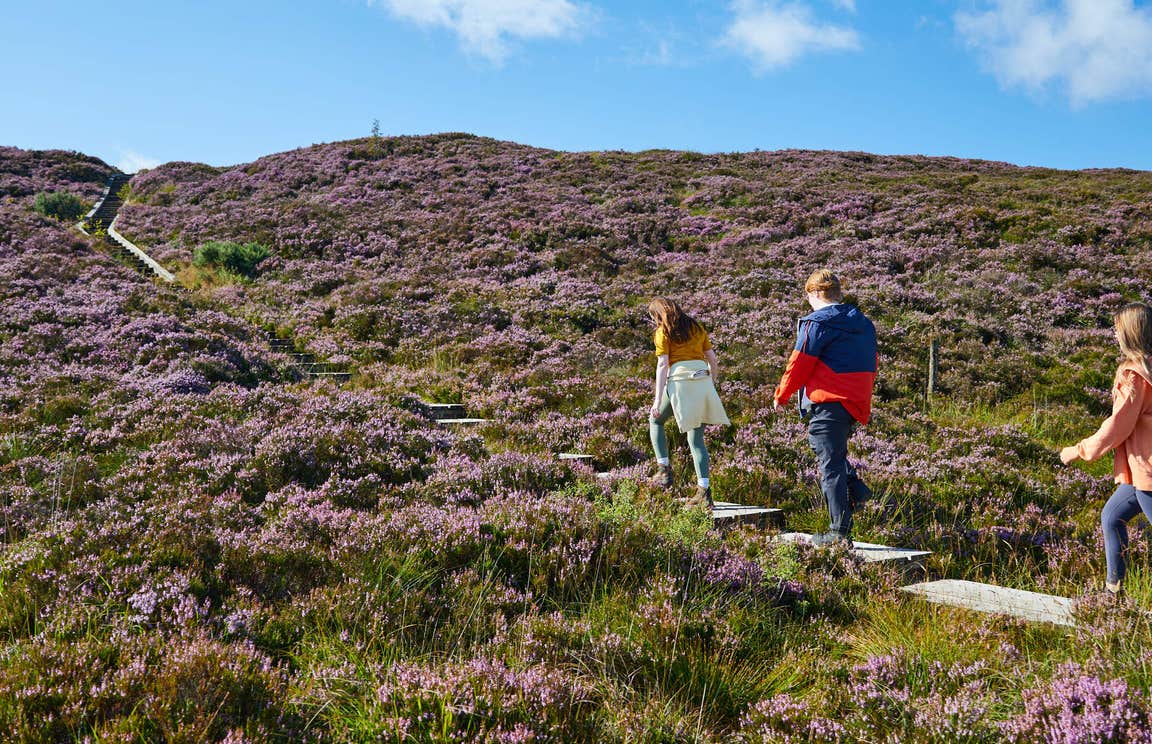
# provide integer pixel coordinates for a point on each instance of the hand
(776, 407)
(1069, 455)
(654, 412)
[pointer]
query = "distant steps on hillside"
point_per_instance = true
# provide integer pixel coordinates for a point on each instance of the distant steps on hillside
(103, 216)
(444, 411)
(306, 363)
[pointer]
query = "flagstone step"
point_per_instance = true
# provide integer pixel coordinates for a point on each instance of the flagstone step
(868, 552)
(972, 595)
(337, 376)
(441, 411)
(728, 513)
(461, 421)
(574, 456)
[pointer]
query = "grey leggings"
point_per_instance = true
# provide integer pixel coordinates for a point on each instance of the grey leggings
(695, 439)
(1125, 503)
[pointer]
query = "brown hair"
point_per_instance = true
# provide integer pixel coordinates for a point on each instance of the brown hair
(1134, 332)
(824, 283)
(676, 324)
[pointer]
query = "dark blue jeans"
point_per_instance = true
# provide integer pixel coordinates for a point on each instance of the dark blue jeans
(829, 427)
(1125, 503)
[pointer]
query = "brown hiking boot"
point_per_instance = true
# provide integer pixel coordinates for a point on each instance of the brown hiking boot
(663, 477)
(702, 499)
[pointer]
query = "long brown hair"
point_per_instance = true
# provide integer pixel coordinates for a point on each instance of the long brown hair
(1134, 332)
(678, 325)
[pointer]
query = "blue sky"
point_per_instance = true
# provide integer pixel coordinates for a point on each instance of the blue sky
(1060, 83)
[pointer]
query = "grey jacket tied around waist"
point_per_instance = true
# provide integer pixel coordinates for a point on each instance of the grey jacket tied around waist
(693, 395)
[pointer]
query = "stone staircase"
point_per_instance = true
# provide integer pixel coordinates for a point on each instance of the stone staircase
(306, 362)
(102, 219)
(967, 595)
(102, 215)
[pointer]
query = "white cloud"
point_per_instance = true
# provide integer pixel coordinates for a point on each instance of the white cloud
(776, 34)
(661, 45)
(485, 27)
(131, 162)
(849, 5)
(1096, 49)
(661, 56)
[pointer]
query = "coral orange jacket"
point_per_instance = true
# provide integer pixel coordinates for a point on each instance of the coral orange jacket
(1128, 431)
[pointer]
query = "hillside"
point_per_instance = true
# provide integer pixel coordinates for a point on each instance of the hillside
(199, 543)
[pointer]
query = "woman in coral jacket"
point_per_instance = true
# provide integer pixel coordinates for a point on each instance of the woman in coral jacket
(833, 367)
(1128, 433)
(686, 368)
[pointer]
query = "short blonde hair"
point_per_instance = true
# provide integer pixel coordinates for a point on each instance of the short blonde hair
(824, 283)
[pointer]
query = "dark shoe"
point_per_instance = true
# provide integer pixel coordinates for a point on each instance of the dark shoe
(831, 538)
(702, 499)
(858, 493)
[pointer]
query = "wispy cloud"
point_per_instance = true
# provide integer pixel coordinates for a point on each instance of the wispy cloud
(487, 28)
(1095, 49)
(661, 44)
(131, 161)
(775, 34)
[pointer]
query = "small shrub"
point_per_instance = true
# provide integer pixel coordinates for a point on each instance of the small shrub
(60, 205)
(235, 258)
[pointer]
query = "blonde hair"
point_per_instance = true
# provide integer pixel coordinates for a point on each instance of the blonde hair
(1134, 332)
(824, 283)
(676, 324)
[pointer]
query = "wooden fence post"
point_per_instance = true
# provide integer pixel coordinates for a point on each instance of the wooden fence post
(933, 366)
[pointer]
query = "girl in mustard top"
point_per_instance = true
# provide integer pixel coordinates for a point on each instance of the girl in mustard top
(1128, 432)
(686, 367)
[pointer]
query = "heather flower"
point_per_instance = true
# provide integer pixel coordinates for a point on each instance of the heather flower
(787, 720)
(1076, 707)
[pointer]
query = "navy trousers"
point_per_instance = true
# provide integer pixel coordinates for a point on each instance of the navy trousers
(829, 427)
(1124, 504)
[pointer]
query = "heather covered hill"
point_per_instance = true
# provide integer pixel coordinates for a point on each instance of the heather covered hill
(562, 246)
(198, 544)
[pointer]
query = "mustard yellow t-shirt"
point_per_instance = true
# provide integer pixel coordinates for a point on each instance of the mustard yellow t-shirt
(693, 348)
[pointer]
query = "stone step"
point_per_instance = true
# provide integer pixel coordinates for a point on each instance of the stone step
(461, 421)
(440, 411)
(574, 456)
(868, 552)
(337, 376)
(727, 513)
(972, 595)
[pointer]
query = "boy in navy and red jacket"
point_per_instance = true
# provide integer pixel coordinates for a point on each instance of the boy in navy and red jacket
(834, 369)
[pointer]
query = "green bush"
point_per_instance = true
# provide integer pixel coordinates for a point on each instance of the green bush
(60, 205)
(235, 258)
